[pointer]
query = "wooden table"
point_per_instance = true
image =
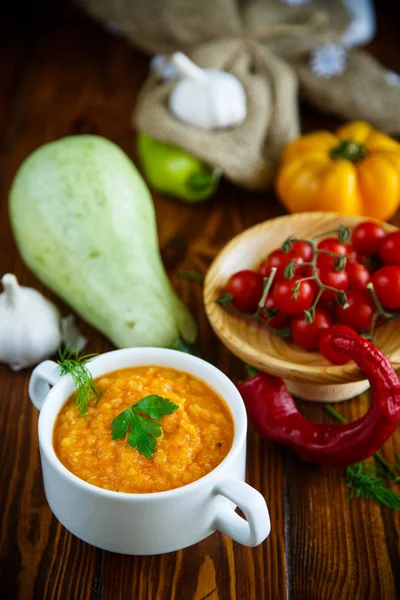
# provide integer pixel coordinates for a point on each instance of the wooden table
(61, 74)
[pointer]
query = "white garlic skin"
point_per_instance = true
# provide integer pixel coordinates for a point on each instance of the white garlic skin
(207, 98)
(29, 325)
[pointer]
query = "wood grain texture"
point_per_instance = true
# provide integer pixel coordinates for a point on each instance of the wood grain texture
(66, 75)
(340, 538)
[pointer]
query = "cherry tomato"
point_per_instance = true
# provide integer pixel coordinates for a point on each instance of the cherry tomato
(282, 294)
(303, 250)
(366, 237)
(279, 260)
(335, 357)
(389, 249)
(333, 245)
(359, 276)
(278, 320)
(307, 335)
(329, 307)
(246, 288)
(386, 282)
(352, 255)
(330, 245)
(360, 310)
(337, 279)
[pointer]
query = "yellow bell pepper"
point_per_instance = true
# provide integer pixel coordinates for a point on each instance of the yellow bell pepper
(353, 172)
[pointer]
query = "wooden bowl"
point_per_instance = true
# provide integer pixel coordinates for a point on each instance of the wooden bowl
(308, 375)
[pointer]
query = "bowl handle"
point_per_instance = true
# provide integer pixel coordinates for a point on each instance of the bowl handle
(43, 377)
(256, 527)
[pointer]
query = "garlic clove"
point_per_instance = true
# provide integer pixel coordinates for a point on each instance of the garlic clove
(187, 68)
(190, 106)
(72, 339)
(225, 85)
(163, 68)
(29, 325)
(206, 98)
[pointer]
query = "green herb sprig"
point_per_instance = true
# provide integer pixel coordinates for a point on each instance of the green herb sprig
(86, 389)
(364, 480)
(191, 275)
(143, 431)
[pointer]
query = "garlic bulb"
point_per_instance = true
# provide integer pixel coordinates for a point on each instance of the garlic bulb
(207, 98)
(29, 325)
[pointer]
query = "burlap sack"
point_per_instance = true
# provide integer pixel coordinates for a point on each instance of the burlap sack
(248, 154)
(159, 26)
(366, 90)
(331, 15)
(162, 26)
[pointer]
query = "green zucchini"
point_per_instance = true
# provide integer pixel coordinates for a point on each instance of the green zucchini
(84, 223)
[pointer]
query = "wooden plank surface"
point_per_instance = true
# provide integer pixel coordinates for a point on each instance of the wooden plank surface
(65, 75)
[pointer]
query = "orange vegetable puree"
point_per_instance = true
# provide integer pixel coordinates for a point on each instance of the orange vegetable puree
(195, 438)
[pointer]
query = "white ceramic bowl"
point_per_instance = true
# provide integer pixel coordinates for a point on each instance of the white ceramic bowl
(163, 521)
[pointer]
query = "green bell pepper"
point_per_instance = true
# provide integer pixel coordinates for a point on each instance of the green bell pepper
(173, 171)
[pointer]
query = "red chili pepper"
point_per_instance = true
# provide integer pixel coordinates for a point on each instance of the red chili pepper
(272, 411)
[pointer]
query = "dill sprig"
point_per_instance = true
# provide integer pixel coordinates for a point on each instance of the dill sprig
(364, 480)
(386, 471)
(86, 389)
(191, 275)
